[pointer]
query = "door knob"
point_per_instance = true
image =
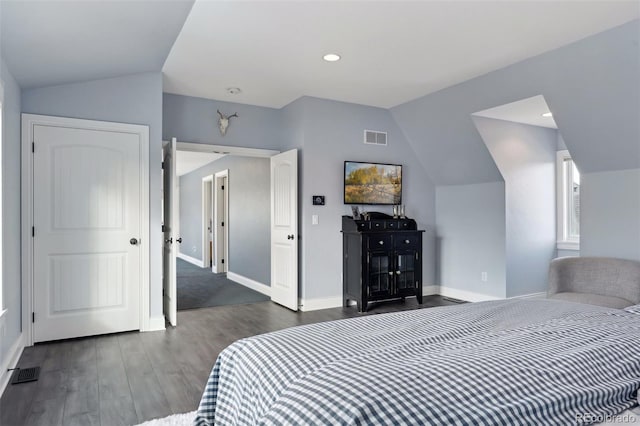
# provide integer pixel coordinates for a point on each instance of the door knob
(290, 237)
(133, 241)
(169, 240)
(179, 240)
(398, 272)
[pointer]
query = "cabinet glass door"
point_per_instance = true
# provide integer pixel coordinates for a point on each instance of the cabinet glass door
(405, 271)
(379, 275)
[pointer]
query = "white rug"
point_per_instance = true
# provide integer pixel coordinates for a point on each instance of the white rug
(183, 419)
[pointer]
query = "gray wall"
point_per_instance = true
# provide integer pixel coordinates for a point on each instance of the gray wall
(191, 119)
(591, 86)
(332, 132)
(135, 99)
(327, 133)
(249, 214)
(471, 237)
(610, 214)
(11, 274)
(526, 157)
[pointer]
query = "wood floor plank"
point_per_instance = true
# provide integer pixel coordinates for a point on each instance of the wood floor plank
(128, 378)
(47, 412)
(118, 412)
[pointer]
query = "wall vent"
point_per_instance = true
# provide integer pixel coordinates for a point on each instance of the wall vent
(372, 137)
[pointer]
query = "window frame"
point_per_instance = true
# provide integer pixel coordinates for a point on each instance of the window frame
(563, 191)
(2, 301)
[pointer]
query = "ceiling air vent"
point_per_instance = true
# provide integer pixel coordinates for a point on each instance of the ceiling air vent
(372, 137)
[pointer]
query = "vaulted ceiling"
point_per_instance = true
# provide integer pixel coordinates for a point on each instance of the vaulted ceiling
(392, 51)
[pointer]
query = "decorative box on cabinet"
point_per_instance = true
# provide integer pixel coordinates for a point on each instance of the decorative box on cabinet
(382, 260)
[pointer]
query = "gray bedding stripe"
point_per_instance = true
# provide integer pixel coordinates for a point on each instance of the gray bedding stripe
(492, 363)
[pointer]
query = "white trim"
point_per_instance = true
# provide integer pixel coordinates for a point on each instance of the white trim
(226, 150)
(568, 245)
(10, 361)
(540, 295)
(28, 123)
(306, 305)
(207, 180)
(564, 241)
(156, 324)
(465, 295)
(190, 259)
(430, 290)
(249, 283)
(216, 268)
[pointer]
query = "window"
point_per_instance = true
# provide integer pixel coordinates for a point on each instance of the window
(1, 149)
(568, 202)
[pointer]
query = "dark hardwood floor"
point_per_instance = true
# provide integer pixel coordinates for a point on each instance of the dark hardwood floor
(128, 378)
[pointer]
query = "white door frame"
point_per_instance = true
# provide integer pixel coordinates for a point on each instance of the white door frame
(28, 123)
(207, 195)
(218, 196)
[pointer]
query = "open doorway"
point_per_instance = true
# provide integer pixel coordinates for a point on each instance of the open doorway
(233, 253)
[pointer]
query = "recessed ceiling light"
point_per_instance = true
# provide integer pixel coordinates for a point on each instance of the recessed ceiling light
(234, 90)
(547, 114)
(331, 57)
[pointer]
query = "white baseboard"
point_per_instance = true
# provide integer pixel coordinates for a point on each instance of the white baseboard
(307, 305)
(248, 282)
(430, 290)
(10, 362)
(156, 324)
(468, 296)
(541, 295)
(190, 259)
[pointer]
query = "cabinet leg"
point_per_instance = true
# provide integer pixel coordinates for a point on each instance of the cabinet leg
(362, 307)
(419, 297)
(345, 302)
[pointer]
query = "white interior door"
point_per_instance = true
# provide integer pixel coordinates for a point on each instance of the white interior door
(87, 230)
(170, 237)
(284, 229)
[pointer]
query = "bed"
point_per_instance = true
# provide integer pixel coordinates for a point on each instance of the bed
(500, 362)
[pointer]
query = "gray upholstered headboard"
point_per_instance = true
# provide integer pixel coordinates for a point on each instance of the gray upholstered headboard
(594, 279)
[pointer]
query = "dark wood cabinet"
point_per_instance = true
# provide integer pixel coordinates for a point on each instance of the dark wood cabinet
(382, 260)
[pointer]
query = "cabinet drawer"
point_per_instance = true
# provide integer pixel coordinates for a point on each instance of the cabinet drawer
(379, 242)
(377, 225)
(362, 225)
(392, 224)
(406, 241)
(406, 225)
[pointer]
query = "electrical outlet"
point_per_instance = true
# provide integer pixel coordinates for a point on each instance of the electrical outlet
(483, 277)
(314, 219)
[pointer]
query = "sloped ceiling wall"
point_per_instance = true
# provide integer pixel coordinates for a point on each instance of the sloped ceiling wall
(591, 86)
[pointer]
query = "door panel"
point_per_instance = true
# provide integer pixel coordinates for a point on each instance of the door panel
(405, 271)
(284, 229)
(86, 202)
(379, 275)
(170, 238)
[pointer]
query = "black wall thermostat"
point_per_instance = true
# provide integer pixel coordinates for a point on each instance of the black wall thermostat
(318, 200)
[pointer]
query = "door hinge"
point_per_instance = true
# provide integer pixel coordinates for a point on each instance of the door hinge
(222, 260)
(222, 224)
(417, 255)
(33, 317)
(33, 147)
(164, 228)
(33, 231)
(163, 292)
(223, 187)
(162, 165)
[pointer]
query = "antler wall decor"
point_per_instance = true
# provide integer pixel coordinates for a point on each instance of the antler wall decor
(223, 122)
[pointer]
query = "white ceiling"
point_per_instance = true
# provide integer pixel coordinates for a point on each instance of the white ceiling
(526, 111)
(188, 161)
(392, 51)
(55, 42)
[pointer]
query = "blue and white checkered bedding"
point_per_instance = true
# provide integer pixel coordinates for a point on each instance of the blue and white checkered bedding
(533, 362)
